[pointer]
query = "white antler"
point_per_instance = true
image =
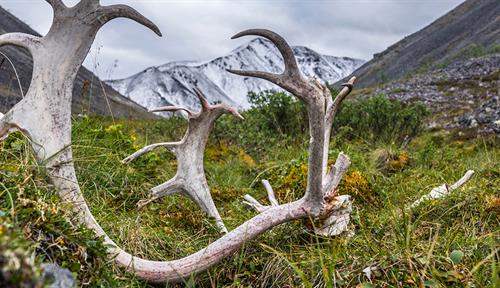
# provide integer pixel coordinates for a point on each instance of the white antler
(44, 115)
(190, 178)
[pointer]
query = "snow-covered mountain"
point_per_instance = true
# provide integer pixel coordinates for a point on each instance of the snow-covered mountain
(172, 83)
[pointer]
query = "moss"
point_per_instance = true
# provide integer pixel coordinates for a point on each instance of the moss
(357, 185)
(390, 162)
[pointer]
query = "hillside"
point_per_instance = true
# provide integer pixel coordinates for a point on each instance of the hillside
(172, 83)
(88, 96)
(463, 95)
(474, 25)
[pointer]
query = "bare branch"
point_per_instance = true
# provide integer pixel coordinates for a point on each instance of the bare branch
(108, 13)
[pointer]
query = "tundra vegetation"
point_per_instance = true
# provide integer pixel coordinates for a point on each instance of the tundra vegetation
(407, 247)
(437, 243)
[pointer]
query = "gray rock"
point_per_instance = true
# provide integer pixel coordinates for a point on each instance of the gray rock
(57, 277)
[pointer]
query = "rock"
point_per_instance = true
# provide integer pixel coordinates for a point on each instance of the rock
(473, 123)
(57, 277)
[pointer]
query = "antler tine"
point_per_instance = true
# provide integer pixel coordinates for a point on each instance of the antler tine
(108, 13)
(289, 79)
(291, 67)
(203, 100)
(335, 105)
(171, 109)
(56, 4)
(348, 86)
(235, 112)
(206, 105)
(27, 41)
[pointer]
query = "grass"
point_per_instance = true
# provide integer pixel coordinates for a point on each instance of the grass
(406, 248)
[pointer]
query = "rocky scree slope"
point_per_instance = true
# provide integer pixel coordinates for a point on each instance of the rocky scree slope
(473, 25)
(173, 83)
(464, 94)
(88, 95)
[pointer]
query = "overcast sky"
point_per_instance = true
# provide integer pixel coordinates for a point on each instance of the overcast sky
(200, 30)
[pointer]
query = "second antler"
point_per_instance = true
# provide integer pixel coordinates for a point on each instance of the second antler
(190, 177)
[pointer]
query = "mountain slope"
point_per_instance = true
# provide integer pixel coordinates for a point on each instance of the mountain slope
(88, 94)
(172, 83)
(473, 25)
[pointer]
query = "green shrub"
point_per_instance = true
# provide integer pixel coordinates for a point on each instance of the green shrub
(278, 119)
(275, 118)
(378, 119)
(278, 112)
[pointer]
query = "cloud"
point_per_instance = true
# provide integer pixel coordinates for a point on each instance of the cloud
(200, 29)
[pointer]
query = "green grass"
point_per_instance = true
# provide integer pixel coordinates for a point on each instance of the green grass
(409, 248)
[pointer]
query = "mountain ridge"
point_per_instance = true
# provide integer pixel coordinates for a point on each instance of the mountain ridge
(172, 83)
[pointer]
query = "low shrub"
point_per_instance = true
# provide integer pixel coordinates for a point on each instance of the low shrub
(378, 119)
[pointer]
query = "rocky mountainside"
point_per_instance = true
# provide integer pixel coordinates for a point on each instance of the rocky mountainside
(88, 96)
(464, 94)
(173, 83)
(471, 28)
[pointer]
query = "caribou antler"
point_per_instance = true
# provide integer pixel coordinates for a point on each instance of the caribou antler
(320, 108)
(190, 177)
(44, 115)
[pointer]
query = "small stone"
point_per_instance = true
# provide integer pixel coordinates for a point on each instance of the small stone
(473, 123)
(57, 277)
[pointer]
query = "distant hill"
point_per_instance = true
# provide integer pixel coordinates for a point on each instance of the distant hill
(173, 83)
(472, 28)
(88, 96)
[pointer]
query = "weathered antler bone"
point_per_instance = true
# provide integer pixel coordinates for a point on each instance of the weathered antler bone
(338, 209)
(443, 190)
(190, 178)
(44, 116)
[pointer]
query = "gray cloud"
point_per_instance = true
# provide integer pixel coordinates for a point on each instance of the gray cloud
(200, 29)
